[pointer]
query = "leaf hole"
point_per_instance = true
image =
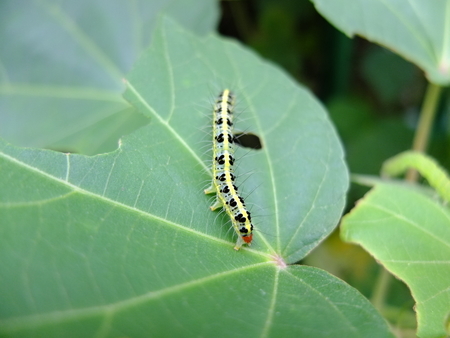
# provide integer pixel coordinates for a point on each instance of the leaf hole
(248, 140)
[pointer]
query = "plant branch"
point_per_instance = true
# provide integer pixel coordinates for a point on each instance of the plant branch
(421, 138)
(381, 288)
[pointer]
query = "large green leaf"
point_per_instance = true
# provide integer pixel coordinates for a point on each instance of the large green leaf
(409, 233)
(124, 244)
(416, 29)
(62, 64)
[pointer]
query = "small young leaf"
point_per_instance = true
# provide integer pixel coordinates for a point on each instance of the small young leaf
(409, 233)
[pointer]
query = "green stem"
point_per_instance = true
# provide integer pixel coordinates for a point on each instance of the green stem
(381, 289)
(425, 124)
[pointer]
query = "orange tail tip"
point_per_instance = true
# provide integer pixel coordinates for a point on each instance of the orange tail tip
(248, 239)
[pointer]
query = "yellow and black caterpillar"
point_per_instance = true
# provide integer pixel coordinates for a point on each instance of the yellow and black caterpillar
(223, 170)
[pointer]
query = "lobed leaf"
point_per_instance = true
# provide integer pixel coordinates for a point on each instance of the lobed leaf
(124, 244)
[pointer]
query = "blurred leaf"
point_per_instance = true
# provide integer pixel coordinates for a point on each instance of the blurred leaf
(368, 139)
(63, 64)
(417, 30)
(379, 141)
(409, 233)
(124, 244)
(388, 74)
(346, 261)
(277, 39)
(351, 115)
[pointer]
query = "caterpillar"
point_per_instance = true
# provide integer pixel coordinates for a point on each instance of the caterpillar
(227, 195)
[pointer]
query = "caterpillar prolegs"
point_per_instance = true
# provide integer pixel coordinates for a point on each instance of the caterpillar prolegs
(223, 170)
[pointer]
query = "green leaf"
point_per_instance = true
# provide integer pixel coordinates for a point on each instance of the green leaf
(417, 30)
(124, 244)
(409, 233)
(62, 64)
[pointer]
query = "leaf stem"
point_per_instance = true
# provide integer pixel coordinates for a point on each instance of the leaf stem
(381, 289)
(425, 124)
